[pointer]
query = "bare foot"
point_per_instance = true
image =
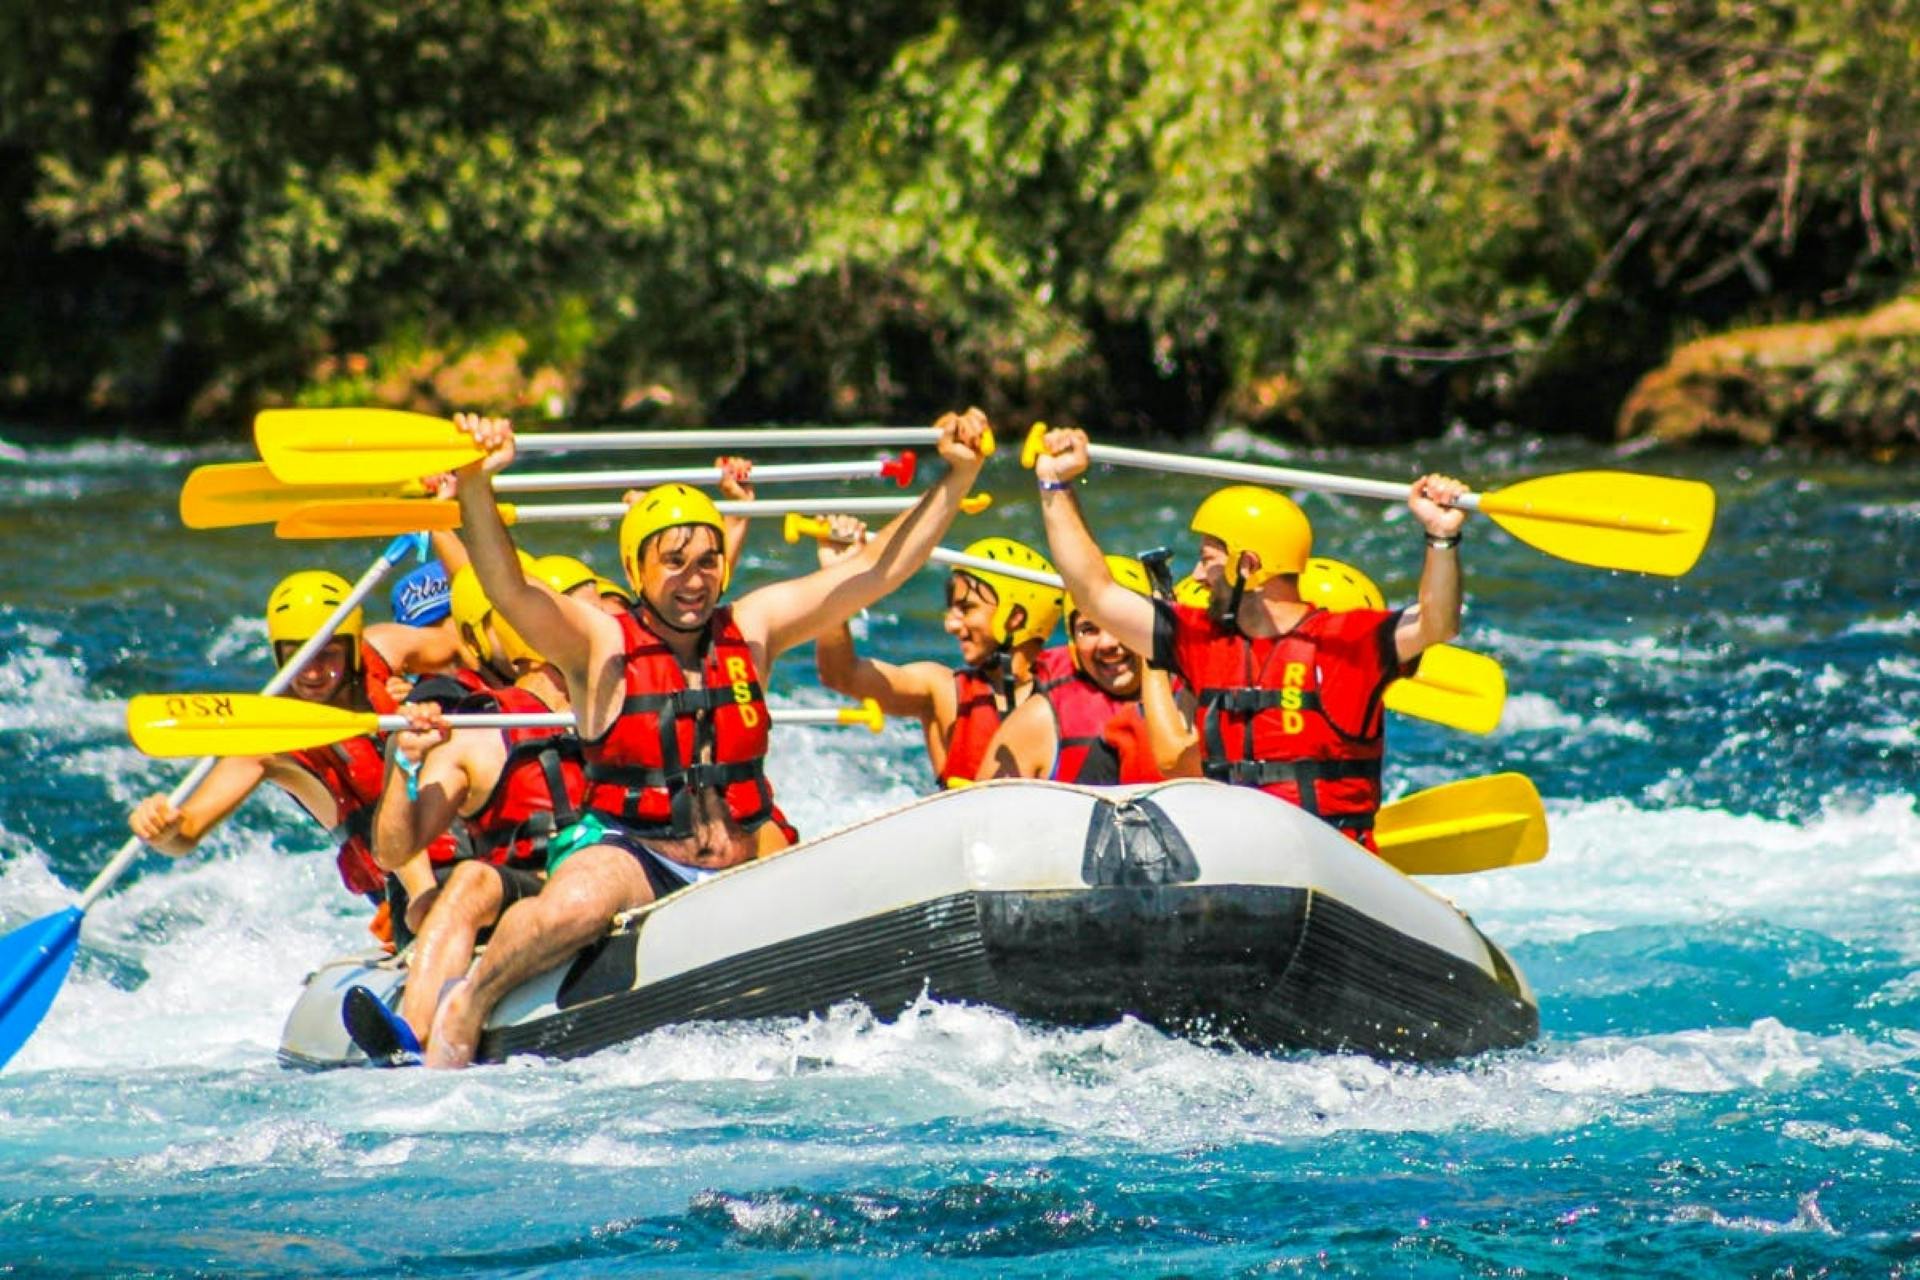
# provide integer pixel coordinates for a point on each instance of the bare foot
(454, 1038)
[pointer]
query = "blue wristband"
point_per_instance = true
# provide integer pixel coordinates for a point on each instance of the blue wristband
(412, 769)
(1055, 486)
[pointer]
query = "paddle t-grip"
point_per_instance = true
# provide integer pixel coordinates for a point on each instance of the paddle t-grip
(900, 468)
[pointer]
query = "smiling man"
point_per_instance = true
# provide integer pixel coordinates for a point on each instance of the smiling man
(1000, 623)
(1087, 727)
(339, 784)
(1289, 696)
(672, 714)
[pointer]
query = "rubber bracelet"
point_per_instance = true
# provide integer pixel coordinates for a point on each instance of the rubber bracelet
(1055, 486)
(1443, 544)
(412, 769)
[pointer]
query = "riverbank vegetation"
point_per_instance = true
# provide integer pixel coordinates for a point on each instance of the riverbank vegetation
(1350, 221)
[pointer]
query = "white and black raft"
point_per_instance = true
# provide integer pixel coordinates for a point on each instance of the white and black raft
(1209, 911)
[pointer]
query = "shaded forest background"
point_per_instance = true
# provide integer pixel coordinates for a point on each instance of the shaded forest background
(1356, 222)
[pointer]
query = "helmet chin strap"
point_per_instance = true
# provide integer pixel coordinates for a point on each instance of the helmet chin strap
(1234, 598)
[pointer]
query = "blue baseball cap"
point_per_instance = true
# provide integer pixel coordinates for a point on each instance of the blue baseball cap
(423, 597)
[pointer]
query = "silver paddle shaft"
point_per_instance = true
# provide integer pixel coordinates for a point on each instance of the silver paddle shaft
(1259, 473)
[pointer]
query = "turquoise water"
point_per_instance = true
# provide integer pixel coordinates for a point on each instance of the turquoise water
(1725, 940)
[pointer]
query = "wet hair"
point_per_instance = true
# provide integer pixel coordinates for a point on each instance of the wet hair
(969, 588)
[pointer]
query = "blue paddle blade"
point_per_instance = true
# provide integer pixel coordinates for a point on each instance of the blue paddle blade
(34, 960)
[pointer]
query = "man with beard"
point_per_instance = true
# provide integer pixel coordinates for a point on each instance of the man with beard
(1289, 696)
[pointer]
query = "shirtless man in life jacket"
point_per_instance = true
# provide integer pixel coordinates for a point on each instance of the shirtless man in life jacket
(1289, 696)
(510, 790)
(672, 714)
(338, 784)
(1001, 624)
(1087, 728)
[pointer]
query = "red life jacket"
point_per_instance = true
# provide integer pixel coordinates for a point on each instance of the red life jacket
(353, 772)
(643, 773)
(1262, 722)
(977, 712)
(540, 789)
(1088, 753)
(377, 672)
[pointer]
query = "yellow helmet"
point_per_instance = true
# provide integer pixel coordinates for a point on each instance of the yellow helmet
(1192, 592)
(1041, 603)
(1249, 518)
(473, 612)
(608, 587)
(303, 601)
(668, 506)
(1338, 587)
(563, 573)
(1126, 571)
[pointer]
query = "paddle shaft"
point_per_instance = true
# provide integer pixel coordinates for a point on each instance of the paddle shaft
(757, 507)
(564, 719)
(396, 551)
(777, 473)
(1259, 473)
(952, 559)
(737, 441)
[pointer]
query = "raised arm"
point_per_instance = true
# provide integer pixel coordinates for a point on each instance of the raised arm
(1170, 732)
(1436, 619)
(909, 690)
(793, 612)
(564, 631)
(736, 483)
(176, 832)
(1024, 745)
(404, 824)
(1125, 616)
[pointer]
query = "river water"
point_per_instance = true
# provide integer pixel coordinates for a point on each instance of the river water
(1725, 939)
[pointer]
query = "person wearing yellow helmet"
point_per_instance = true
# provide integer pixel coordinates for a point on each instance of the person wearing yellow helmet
(510, 792)
(735, 484)
(1324, 584)
(670, 703)
(1001, 624)
(338, 784)
(571, 576)
(1288, 696)
(1086, 728)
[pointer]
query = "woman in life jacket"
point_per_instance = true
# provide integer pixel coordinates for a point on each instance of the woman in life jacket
(1086, 728)
(508, 791)
(1288, 696)
(672, 714)
(1001, 624)
(337, 784)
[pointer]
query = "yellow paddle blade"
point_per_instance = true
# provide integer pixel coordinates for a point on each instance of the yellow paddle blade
(358, 446)
(1455, 687)
(374, 518)
(237, 724)
(1475, 824)
(225, 494)
(1609, 519)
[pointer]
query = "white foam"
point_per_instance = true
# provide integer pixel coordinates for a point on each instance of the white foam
(1808, 1218)
(1537, 713)
(1849, 872)
(1637, 649)
(49, 692)
(1907, 624)
(1827, 1135)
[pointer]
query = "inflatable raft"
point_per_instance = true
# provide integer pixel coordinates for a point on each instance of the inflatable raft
(1209, 911)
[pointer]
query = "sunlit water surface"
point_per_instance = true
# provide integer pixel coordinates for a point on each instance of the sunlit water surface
(1725, 939)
